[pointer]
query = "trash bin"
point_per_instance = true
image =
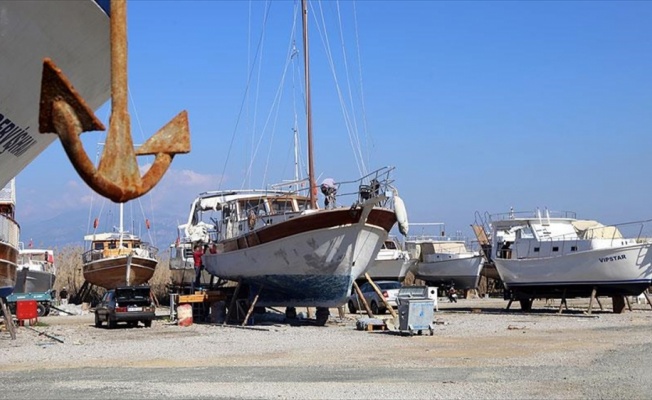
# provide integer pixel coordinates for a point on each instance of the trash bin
(415, 310)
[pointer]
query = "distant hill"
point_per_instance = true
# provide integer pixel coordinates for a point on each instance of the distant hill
(70, 228)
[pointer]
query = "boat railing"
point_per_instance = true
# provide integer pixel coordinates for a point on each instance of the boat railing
(9, 230)
(543, 215)
(143, 250)
(374, 183)
(564, 244)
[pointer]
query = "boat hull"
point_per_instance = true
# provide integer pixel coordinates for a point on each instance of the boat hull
(623, 270)
(110, 273)
(314, 267)
(462, 272)
(186, 276)
(8, 266)
(75, 35)
(31, 281)
(390, 269)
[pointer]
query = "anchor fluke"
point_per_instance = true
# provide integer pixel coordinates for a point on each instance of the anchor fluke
(173, 138)
(56, 87)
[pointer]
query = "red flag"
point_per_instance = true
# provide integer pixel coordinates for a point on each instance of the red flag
(30, 243)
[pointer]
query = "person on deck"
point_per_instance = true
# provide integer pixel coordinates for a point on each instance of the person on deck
(196, 255)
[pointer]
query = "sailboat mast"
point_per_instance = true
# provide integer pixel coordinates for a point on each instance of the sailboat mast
(306, 63)
(121, 227)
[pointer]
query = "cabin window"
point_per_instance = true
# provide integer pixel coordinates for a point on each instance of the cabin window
(257, 205)
(390, 245)
(536, 249)
(555, 248)
(282, 206)
(112, 244)
(303, 205)
(573, 248)
(98, 246)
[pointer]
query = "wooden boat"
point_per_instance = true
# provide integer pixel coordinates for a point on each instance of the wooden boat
(118, 259)
(9, 231)
(279, 243)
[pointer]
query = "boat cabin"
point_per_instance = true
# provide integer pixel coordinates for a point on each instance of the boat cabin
(537, 237)
(107, 245)
(217, 216)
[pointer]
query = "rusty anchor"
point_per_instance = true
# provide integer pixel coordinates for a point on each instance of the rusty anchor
(64, 112)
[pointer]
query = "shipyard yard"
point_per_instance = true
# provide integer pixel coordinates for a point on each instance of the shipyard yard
(478, 351)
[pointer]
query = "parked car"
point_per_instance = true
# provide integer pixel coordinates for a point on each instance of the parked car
(129, 304)
(389, 289)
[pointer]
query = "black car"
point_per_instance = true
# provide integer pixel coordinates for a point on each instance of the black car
(129, 304)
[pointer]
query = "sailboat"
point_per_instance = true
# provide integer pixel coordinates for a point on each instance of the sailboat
(9, 231)
(283, 247)
(118, 258)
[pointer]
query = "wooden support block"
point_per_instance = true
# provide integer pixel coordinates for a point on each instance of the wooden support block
(593, 293)
(618, 304)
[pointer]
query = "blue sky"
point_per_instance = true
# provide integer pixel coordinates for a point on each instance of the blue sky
(480, 106)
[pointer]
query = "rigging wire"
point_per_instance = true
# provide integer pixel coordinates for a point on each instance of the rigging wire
(348, 84)
(244, 98)
(323, 34)
(362, 102)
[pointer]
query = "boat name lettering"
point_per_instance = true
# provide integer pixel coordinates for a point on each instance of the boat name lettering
(13, 138)
(612, 258)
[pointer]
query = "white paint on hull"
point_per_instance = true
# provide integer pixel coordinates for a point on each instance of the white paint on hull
(75, 35)
(632, 263)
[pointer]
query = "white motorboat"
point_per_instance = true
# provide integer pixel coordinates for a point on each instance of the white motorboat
(444, 260)
(559, 256)
(392, 262)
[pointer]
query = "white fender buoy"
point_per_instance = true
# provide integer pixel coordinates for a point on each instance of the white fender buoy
(401, 215)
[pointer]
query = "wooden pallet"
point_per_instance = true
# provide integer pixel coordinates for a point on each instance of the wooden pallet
(376, 327)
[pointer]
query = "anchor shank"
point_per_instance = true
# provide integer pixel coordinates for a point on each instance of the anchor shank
(119, 55)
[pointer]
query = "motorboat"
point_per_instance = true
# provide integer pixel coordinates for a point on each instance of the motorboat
(555, 255)
(392, 262)
(444, 260)
(36, 271)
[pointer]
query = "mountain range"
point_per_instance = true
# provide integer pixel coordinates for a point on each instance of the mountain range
(69, 229)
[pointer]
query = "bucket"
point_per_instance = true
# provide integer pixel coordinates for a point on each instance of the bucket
(26, 309)
(184, 315)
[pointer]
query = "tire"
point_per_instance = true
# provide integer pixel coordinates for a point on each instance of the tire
(526, 305)
(40, 309)
(147, 323)
(47, 310)
(290, 313)
(322, 315)
(98, 322)
(352, 309)
(382, 310)
(112, 323)
(374, 308)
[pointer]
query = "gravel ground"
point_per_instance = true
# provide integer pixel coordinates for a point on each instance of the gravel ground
(478, 351)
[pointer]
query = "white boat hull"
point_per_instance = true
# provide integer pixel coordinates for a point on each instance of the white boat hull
(31, 281)
(462, 272)
(394, 269)
(75, 35)
(621, 270)
(314, 268)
